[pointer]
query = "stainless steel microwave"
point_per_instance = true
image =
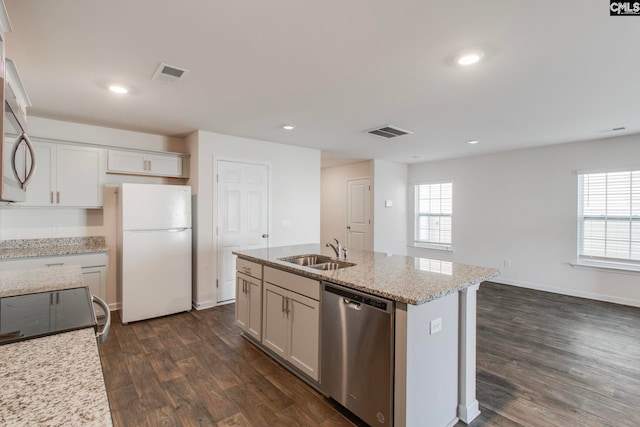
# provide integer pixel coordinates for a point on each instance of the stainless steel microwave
(17, 157)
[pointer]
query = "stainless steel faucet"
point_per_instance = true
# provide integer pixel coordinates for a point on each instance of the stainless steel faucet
(337, 248)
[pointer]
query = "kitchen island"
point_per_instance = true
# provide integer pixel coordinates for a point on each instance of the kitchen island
(434, 320)
(54, 380)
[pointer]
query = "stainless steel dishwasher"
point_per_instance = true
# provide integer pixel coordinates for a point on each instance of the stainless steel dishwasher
(358, 352)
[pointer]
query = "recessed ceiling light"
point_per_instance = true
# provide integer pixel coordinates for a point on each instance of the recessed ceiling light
(121, 90)
(414, 157)
(472, 141)
(288, 127)
(469, 57)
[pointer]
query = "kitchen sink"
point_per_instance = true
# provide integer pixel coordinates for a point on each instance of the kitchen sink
(319, 262)
(333, 265)
(307, 259)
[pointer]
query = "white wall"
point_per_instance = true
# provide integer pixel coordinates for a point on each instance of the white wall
(522, 206)
(333, 211)
(294, 196)
(28, 223)
(390, 223)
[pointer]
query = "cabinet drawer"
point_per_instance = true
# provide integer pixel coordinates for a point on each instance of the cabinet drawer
(250, 268)
(83, 260)
(293, 282)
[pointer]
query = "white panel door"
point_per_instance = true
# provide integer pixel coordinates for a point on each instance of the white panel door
(242, 223)
(359, 214)
(156, 273)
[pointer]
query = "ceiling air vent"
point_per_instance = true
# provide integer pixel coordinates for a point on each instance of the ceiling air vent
(389, 131)
(168, 73)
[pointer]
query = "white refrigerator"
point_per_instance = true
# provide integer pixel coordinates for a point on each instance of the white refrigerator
(154, 250)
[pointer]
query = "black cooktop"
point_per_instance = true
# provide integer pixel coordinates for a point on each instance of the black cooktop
(29, 316)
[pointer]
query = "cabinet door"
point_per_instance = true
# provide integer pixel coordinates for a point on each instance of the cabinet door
(254, 318)
(96, 279)
(41, 189)
(32, 310)
(164, 165)
(79, 172)
(242, 303)
(304, 335)
(126, 162)
(275, 321)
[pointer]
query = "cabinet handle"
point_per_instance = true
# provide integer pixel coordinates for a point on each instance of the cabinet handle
(50, 299)
(55, 264)
(283, 298)
(58, 197)
(57, 298)
(51, 197)
(149, 165)
(287, 309)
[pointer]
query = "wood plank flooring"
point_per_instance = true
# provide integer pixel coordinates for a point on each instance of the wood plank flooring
(543, 360)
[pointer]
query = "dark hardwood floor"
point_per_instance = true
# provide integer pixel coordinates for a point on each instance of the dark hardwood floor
(543, 360)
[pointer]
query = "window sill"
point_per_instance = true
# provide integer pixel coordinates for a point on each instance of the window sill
(434, 246)
(618, 267)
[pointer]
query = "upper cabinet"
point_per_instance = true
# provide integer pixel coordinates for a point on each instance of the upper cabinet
(143, 163)
(67, 176)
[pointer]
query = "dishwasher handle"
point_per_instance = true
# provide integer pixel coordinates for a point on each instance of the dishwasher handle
(351, 304)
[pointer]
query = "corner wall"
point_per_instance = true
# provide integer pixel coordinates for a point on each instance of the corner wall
(390, 223)
(333, 208)
(294, 198)
(521, 207)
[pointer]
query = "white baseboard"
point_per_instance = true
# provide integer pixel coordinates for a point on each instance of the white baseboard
(569, 292)
(204, 304)
(115, 306)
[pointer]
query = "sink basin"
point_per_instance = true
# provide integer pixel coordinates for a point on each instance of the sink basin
(319, 262)
(307, 259)
(333, 265)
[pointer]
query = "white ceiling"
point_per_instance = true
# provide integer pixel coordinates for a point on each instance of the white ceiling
(553, 71)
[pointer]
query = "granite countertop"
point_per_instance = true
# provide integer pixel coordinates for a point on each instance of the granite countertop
(54, 380)
(400, 278)
(20, 282)
(28, 248)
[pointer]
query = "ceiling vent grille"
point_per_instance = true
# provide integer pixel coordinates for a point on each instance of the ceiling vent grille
(389, 131)
(168, 73)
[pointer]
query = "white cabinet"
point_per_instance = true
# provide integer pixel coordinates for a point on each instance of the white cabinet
(249, 304)
(291, 320)
(249, 297)
(66, 176)
(93, 267)
(142, 163)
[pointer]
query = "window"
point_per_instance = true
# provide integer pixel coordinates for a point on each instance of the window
(433, 209)
(609, 217)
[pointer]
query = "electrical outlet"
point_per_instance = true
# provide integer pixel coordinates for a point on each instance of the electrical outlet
(55, 228)
(435, 326)
(507, 263)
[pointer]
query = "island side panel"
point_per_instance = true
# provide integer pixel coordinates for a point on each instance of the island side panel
(468, 408)
(426, 391)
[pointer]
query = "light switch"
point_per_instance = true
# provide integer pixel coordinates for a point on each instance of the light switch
(286, 223)
(388, 203)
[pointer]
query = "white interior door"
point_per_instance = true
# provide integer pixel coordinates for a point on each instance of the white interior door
(359, 214)
(243, 205)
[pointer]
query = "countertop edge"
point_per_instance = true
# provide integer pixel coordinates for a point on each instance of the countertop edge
(292, 268)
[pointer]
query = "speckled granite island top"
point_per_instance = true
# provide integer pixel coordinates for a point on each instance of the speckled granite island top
(400, 278)
(28, 248)
(53, 381)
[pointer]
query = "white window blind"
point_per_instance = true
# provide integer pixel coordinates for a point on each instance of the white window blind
(433, 210)
(609, 216)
